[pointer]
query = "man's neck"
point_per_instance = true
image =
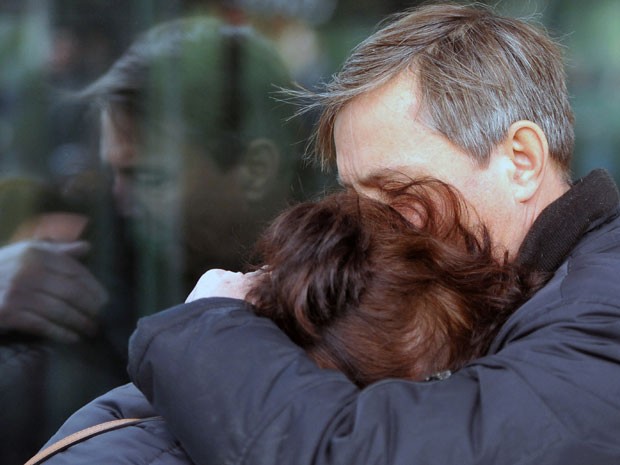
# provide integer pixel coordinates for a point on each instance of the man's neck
(552, 187)
(564, 221)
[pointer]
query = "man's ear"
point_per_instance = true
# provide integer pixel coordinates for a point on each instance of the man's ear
(259, 168)
(526, 146)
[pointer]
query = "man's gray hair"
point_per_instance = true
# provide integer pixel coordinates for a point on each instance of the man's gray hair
(476, 73)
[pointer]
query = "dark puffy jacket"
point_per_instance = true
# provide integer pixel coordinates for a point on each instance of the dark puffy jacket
(23, 362)
(235, 390)
(147, 443)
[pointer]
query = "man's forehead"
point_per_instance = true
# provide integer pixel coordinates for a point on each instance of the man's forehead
(380, 130)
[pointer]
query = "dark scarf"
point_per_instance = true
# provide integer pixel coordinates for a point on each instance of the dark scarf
(561, 225)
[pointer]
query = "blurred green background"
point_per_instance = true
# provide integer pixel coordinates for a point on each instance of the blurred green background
(67, 43)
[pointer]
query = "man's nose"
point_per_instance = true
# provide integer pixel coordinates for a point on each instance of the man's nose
(124, 197)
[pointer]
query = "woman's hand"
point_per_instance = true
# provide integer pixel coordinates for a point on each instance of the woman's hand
(221, 283)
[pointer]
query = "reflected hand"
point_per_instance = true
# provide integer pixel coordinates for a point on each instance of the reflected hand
(222, 283)
(46, 291)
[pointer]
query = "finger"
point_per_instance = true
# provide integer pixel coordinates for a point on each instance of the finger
(35, 324)
(65, 277)
(220, 283)
(61, 314)
(250, 280)
(75, 248)
(51, 309)
(71, 292)
(192, 296)
(207, 282)
(44, 259)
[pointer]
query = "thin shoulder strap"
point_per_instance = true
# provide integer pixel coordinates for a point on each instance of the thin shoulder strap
(81, 435)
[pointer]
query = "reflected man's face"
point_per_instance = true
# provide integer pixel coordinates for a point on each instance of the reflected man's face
(172, 193)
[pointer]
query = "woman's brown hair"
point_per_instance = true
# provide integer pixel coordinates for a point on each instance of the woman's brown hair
(392, 288)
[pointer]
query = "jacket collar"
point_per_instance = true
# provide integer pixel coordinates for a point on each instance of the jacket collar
(589, 202)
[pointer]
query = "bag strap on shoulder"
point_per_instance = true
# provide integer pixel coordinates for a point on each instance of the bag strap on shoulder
(82, 435)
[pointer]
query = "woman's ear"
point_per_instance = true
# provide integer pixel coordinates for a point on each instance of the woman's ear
(528, 150)
(259, 168)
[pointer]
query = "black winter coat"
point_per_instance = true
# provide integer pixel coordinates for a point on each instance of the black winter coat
(148, 443)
